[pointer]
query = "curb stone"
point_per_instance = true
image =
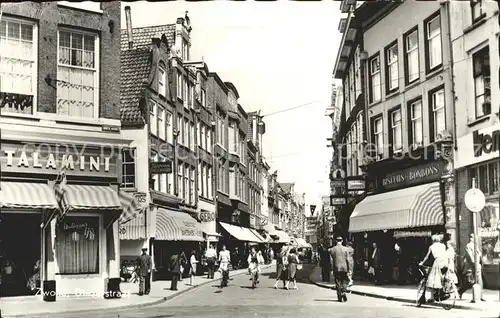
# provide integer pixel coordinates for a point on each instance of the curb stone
(151, 303)
(390, 298)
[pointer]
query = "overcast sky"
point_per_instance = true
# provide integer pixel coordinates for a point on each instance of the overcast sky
(279, 55)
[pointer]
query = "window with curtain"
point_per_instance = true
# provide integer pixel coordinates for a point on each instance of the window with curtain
(170, 129)
(192, 186)
(433, 32)
(180, 129)
(77, 77)
(396, 131)
(413, 69)
(378, 131)
(416, 124)
(18, 66)
(437, 113)
(209, 182)
(186, 132)
(162, 177)
(77, 241)
(179, 85)
(153, 119)
(180, 180)
(161, 121)
(375, 89)
(185, 91)
(186, 183)
(392, 71)
(192, 136)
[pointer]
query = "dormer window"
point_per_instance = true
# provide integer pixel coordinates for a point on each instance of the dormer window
(162, 80)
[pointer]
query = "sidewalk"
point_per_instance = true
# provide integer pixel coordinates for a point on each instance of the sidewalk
(29, 306)
(407, 293)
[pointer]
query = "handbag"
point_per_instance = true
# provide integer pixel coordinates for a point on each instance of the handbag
(371, 270)
(299, 266)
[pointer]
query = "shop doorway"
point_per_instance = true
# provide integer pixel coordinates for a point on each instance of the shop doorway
(20, 234)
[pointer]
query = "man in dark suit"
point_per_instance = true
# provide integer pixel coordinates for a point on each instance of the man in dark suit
(341, 266)
(144, 266)
(175, 269)
(324, 262)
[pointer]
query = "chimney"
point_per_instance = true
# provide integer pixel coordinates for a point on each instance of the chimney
(128, 18)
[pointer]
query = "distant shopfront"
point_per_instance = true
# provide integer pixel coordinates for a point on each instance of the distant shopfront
(478, 159)
(403, 207)
(78, 252)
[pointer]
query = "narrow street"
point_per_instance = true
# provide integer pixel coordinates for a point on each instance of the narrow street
(239, 300)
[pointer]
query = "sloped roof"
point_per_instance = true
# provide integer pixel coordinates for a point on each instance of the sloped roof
(142, 36)
(135, 69)
(287, 187)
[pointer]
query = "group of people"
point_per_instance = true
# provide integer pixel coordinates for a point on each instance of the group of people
(287, 263)
(443, 275)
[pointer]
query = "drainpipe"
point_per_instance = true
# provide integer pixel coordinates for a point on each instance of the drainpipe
(446, 6)
(128, 18)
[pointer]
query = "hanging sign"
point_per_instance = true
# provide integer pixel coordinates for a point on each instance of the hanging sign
(313, 208)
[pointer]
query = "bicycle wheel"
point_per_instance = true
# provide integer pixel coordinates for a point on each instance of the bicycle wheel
(448, 300)
(421, 292)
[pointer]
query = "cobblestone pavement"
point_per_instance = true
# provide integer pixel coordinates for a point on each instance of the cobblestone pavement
(239, 300)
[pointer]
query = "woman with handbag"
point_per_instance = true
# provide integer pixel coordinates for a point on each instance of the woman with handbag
(281, 265)
(293, 262)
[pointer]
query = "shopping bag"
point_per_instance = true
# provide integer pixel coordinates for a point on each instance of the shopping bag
(371, 270)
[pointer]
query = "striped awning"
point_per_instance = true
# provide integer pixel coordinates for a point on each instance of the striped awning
(413, 207)
(90, 197)
(177, 226)
(283, 237)
(240, 233)
(131, 206)
(260, 237)
(27, 195)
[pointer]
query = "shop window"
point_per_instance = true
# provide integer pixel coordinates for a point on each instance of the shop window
(128, 168)
(77, 74)
(18, 66)
(77, 245)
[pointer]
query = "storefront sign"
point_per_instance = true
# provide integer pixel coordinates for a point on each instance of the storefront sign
(337, 183)
(337, 201)
(160, 167)
(486, 142)
(81, 228)
(50, 159)
(355, 185)
(412, 176)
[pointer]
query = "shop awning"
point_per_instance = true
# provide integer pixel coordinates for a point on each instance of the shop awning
(240, 233)
(27, 195)
(90, 197)
(302, 243)
(131, 207)
(177, 226)
(260, 237)
(413, 207)
(283, 237)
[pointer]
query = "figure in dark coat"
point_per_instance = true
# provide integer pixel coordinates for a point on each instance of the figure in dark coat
(341, 266)
(175, 270)
(144, 266)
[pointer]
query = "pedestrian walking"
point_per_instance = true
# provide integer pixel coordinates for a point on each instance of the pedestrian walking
(193, 262)
(324, 262)
(144, 266)
(175, 270)
(341, 266)
(281, 263)
(293, 261)
(469, 269)
(375, 268)
(183, 261)
(350, 254)
(211, 256)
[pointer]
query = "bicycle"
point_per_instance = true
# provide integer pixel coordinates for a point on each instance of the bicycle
(446, 297)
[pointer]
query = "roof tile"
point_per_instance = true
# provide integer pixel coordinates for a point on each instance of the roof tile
(135, 69)
(142, 36)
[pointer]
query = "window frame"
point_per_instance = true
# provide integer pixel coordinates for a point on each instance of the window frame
(379, 153)
(429, 67)
(371, 76)
(394, 129)
(486, 94)
(407, 51)
(34, 70)
(411, 123)
(126, 163)
(432, 112)
(162, 79)
(161, 122)
(388, 65)
(473, 5)
(179, 85)
(97, 72)
(153, 122)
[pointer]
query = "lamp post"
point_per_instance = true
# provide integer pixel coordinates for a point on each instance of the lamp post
(475, 202)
